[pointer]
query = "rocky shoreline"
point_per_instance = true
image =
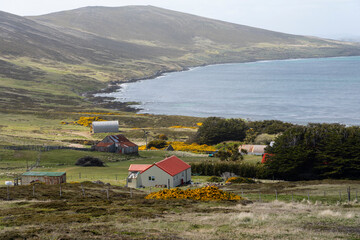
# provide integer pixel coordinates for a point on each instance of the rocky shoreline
(109, 103)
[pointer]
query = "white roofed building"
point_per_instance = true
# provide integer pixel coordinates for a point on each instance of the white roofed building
(105, 126)
(253, 149)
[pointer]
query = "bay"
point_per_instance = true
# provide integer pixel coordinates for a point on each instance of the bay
(298, 91)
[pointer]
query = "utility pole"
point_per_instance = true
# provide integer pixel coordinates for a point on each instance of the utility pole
(146, 135)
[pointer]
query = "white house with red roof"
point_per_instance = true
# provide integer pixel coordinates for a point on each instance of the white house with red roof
(170, 172)
(117, 144)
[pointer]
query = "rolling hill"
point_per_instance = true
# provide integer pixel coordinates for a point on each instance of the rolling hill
(48, 61)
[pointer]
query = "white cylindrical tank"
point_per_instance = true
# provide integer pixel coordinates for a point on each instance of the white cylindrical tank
(9, 183)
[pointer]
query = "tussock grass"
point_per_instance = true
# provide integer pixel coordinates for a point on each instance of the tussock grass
(47, 216)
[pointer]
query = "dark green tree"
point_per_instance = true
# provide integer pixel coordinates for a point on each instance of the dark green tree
(215, 130)
(316, 151)
(229, 153)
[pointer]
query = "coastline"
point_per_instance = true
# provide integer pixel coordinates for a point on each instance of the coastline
(110, 103)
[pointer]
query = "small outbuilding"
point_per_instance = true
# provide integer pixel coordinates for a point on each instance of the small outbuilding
(170, 172)
(253, 149)
(169, 148)
(105, 126)
(50, 178)
(117, 144)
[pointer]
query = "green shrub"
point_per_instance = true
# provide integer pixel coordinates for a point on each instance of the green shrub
(240, 180)
(157, 144)
(215, 130)
(240, 169)
(215, 179)
(163, 137)
(89, 161)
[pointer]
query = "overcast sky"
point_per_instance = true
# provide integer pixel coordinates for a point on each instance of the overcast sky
(324, 18)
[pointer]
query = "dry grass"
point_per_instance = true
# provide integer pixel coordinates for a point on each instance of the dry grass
(47, 216)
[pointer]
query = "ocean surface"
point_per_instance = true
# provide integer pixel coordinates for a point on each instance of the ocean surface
(297, 91)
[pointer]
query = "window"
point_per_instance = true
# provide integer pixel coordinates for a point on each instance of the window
(182, 174)
(151, 178)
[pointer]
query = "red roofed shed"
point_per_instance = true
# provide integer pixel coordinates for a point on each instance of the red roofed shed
(117, 144)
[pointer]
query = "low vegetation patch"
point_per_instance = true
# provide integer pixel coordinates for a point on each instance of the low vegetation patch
(89, 161)
(240, 180)
(178, 146)
(216, 169)
(215, 179)
(84, 121)
(209, 193)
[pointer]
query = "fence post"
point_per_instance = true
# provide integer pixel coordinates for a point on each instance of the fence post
(349, 194)
(107, 193)
(309, 197)
(83, 190)
(259, 196)
(340, 195)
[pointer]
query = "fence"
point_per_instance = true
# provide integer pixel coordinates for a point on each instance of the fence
(336, 196)
(43, 148)
(64, 191)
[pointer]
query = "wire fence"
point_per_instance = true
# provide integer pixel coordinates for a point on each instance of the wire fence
(43, 148)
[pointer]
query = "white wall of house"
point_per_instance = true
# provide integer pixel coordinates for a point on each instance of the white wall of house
(182, 177)
(155, 176)
(134, 182)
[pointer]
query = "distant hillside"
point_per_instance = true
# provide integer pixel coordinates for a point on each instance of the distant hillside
(69, 52)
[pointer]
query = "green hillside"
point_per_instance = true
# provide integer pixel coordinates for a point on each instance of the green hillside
(49, 61)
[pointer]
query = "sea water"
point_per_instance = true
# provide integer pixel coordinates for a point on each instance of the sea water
(298, 91)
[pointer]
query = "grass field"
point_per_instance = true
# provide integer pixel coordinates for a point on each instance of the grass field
(113, 211)
(45, 128)
(127, 215)
(14, 162)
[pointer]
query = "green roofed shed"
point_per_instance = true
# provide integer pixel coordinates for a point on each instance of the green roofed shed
(43, 177)
(49, 174)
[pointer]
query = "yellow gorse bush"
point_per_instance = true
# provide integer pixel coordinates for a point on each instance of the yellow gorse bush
(181, 146)
(84, 121)
(87, 121)
(194, 147)
(98, 113)
(240, 180)
(183, 127)
(143, 147)
(209, 193)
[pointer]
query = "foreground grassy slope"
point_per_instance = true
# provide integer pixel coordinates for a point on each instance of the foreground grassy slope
(73, 216)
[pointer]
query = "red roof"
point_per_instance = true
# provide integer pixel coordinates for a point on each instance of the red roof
(102, 144)
(172, 165)
(139, 167)
(266, 157)
(122, 140)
